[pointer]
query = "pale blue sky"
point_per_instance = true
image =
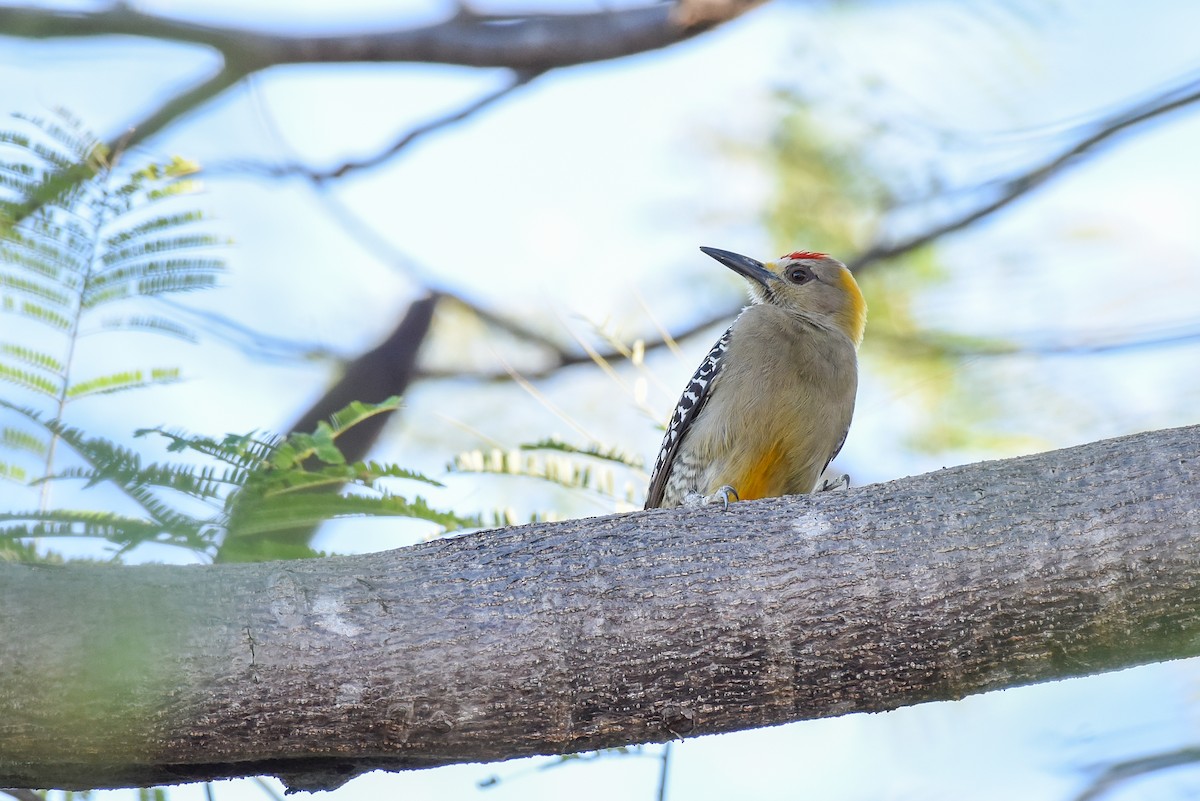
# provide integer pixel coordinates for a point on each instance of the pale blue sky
(600, 181)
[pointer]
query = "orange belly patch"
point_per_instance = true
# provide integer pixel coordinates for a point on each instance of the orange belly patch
(764, 478)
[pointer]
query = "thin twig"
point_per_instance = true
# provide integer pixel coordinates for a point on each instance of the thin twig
(1120, 772)
(559, 357)
(174, 108)
(1018, 186)
(320, 177)
(267, 789)
(253, 342)
(1091, 344)
(376, 243)
(519, 79)
(663, 770)
(529, 44)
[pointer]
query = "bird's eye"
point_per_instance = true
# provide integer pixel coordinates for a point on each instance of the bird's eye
(800, 274)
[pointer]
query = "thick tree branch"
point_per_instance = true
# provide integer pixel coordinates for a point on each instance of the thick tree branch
(534, 42)
(633, 628)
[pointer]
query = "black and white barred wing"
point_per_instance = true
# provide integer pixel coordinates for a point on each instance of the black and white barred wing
(698, 391)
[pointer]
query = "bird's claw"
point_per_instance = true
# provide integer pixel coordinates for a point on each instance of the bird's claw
(835, 484)
(722, 495)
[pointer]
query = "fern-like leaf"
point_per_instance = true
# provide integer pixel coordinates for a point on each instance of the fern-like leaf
(370, 472)
(200, 483)
(13, 472)
(117, 382)
(28, 379)
(243, 451)
(152, 278)
(42, 314)
(116, 528)
(47, 247)
(357, 411)
(281, 513)
(141, 248)
(47, 293)
(18, 440)
(152, 227)
(148, 323)
(183, 528)
(93, 239)
(16, 550)
(34, 358)
(594, 451)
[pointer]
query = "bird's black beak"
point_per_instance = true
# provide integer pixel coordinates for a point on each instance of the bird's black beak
(742, 265)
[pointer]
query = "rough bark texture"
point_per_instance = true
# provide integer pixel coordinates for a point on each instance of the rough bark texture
(632, 628)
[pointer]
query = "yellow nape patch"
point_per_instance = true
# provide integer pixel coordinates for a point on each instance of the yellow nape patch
(854, 318)
(764, 478)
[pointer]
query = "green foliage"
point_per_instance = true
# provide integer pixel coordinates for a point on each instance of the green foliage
(928, 368)
(823, 199)
(80, 237)
(83, 246)
(595, 451)
(13, 472)
(594, 469)
(251, 487)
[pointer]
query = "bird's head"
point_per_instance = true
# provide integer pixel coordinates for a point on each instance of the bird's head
(814, 286)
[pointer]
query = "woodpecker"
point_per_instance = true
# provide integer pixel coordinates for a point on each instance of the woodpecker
(770, 405)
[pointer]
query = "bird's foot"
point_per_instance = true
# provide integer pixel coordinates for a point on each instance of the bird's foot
(723, 496)
(834, 484)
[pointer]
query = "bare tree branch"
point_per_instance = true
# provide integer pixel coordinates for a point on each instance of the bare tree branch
(528, 44)
(378, 374)
(1016, 187)
(1121, 772)
(253, 342)
(519, 79)
(558, 356)
(1090, 344)
(177, 107)
(644, 627)
(21, 794)
(1009, 191)
(367, 237)
(410, 137)
(1083, 344)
